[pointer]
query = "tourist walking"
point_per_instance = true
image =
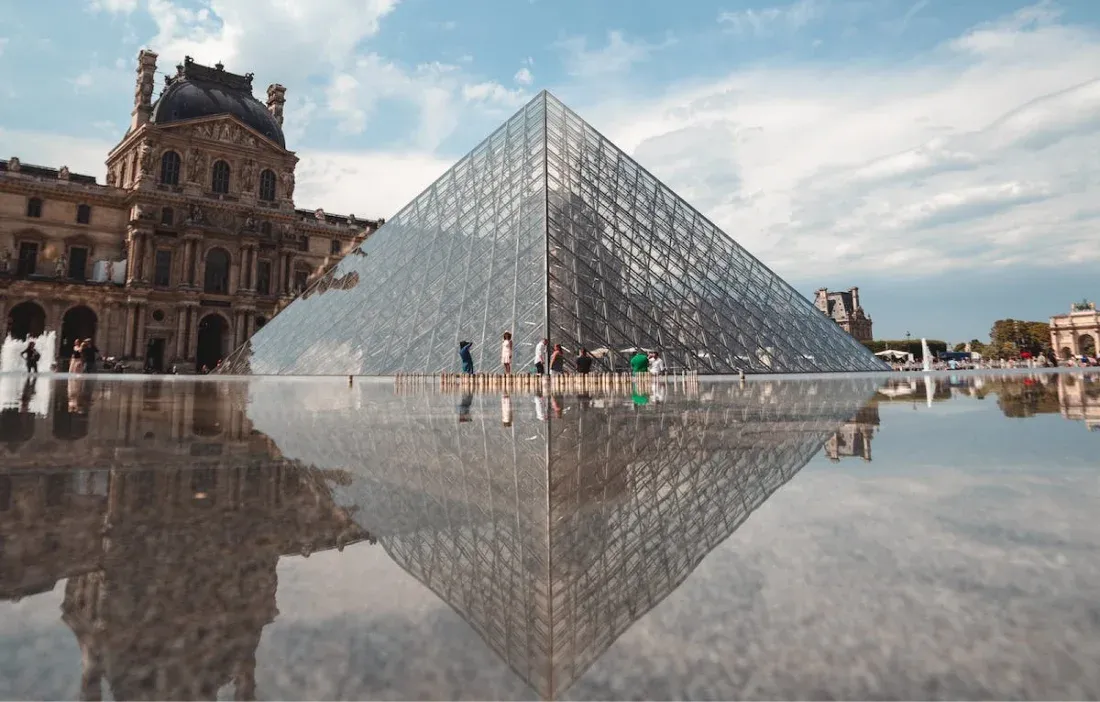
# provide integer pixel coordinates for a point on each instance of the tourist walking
(540, 356)
(76, 363)
(30, 357)
(583, 361)
(88, 353)
(506, 353)
(557, 360)
(467, 359)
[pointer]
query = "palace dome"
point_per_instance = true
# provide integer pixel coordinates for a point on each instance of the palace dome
(200, 91)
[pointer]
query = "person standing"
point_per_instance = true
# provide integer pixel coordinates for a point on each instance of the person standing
(656, 364)
(557, 360)
(639, 362)
(88, 353)
(30, 356)
(76, 363)
(467, 359)
(583, 362)
(540, 357)
(506, 353)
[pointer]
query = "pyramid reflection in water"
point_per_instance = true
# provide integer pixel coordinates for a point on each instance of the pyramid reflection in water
(552, 537)
(547, 229)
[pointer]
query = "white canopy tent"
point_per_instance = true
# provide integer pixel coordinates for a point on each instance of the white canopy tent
(895, 355)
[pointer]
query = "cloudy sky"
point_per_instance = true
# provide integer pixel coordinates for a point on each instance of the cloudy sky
(943, 156)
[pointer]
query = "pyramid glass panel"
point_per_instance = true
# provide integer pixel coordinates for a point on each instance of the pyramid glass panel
(547, 229)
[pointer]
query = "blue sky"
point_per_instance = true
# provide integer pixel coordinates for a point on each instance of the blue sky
(943, 156)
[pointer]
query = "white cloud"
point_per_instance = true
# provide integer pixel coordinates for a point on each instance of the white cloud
(524, 76)
(619, 55)
(765, 21)
(905, 170)
(115, 6)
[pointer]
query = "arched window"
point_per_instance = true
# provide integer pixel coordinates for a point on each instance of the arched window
(217, 271)
(170, 168)
(34, 207)
(83, 214)
(219, 177)
(267, 185)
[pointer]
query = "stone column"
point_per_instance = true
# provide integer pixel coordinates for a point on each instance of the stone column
(193, 333)
(235, 274)
(133, 254)
(181, 331)
(185, 270)
(139, 341)
(288, 270)
(148, 252)
(275, 285)
(254, 268)
(128, 337)
(250, 324)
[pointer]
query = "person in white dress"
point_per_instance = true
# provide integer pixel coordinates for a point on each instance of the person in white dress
(506, 353)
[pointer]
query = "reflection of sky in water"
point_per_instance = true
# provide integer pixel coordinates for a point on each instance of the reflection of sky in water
(963, 561)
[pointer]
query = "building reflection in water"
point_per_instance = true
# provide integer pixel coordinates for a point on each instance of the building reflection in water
(549, 524)
(167, 516)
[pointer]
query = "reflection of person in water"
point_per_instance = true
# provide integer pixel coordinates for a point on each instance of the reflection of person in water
(506, 410)
(28, 394)
(464, 407)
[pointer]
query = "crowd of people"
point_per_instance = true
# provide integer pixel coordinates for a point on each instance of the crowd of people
(554, 361)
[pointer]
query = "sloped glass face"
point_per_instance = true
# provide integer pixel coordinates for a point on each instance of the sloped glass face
(464, 261)
(552, 524)
(633, 265)
(548, 229)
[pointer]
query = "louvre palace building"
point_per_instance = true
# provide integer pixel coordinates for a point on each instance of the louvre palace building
(193, 242)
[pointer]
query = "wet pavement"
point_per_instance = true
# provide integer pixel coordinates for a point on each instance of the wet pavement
(842, 537)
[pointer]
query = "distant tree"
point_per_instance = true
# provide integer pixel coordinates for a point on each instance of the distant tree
(1009, 337)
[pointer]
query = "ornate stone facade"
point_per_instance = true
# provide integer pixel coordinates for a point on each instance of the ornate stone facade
(844, 309)
(191, 245)
(1078, 333)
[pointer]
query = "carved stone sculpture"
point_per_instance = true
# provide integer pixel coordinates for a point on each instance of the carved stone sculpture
(59, 268)
(196, 165)
(13, 165)
(248, 175)
(63, 174)
(5, 261)
(319, 215)
(146, 159)
(288, 184)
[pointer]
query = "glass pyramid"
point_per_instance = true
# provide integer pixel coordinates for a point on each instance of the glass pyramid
(547, 229)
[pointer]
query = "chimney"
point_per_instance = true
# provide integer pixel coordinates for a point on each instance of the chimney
(821, 300)
(276, 98)
(143, 90)
(855, 299)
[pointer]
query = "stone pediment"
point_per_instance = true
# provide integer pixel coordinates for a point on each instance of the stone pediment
(223, 129)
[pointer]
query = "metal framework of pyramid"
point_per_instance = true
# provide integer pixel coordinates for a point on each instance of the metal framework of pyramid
(547, 229)
(551, 537)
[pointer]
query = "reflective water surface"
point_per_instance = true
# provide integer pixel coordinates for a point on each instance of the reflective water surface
(880, 537)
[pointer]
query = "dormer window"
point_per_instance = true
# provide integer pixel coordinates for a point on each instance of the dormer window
(219, 177)
(34, 207)
(83, 214)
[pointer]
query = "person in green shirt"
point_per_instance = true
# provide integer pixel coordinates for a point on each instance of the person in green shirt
(639, 362)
